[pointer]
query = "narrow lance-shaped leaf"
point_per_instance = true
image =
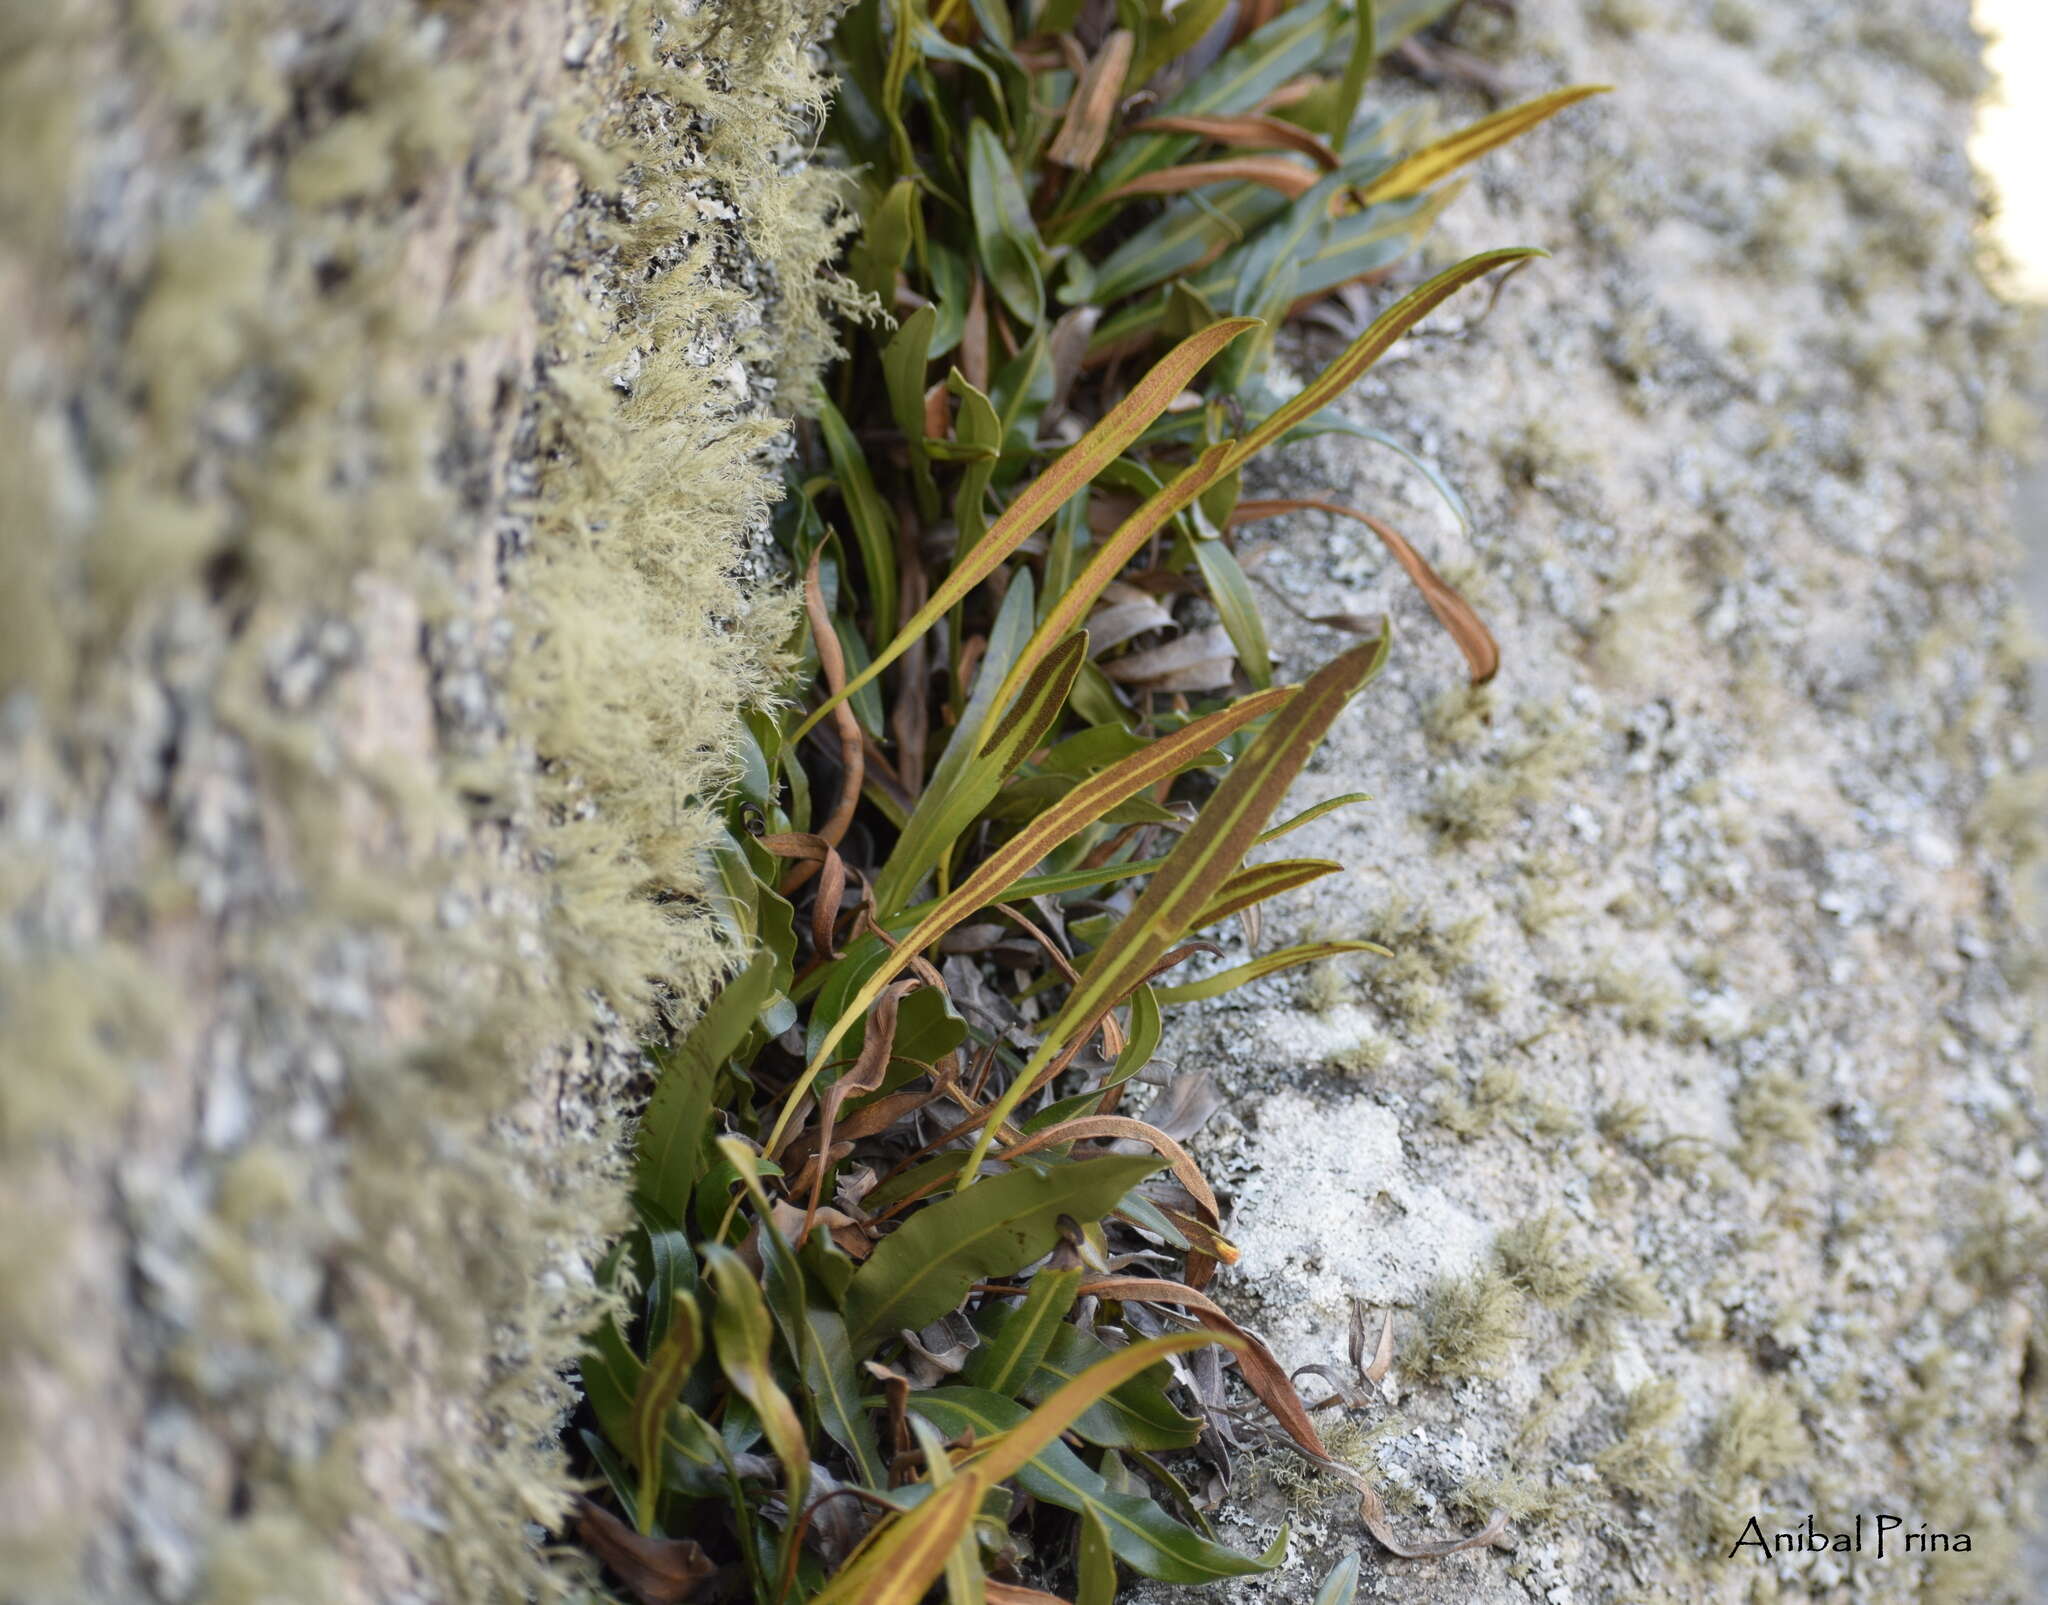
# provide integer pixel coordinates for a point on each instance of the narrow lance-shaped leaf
(874, 530)
(1183, 31)
(1311, 814)
(1290, 178)
(1005, 235)
(1003, 1458)
(1020, 1335)
(1453, 151)
(661, 1383)
(1109, 559)
(829, 1377)
(1069, 814)
(1038, 501)
(1285, 958)
(1231, 593)
(1200, 862)
(904, 1555)
(970, 773)
(1257, 883)
(1134, 1415)
(740, 1325)
(1368, 348)
(1340, 1586)
(1141, 1534)
(1453, 612)
(903, 366)
(965, 1583)
(1365, 49)
(1247, 133)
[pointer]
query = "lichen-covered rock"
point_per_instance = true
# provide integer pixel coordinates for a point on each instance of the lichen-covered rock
(386, 407)
(1694, 1136)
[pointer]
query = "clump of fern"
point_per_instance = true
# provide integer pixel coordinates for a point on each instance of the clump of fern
(898, 1243)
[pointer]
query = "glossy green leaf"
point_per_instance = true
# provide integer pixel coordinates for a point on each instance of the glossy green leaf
(1005, 235)
(1237, 607)
(669, 1157)
(924, 1268)
(1365, 50)
(661, 1384)
(830, 1379)
(885, 242)
(1186, 28)
(1094, 1562)
(874, 527)
(978, 429)
(904, 360)
(1136, 1414)
(1015, 1337)
(671, 1264)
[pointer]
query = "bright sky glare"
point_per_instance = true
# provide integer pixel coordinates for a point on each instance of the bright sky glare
(2011, 143)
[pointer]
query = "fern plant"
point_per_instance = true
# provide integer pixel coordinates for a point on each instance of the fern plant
(893, 1312)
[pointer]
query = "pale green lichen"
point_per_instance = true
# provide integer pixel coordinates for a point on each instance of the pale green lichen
(269, 435)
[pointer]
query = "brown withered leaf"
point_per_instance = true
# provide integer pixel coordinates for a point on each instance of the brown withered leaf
(1186, 1105)
(1125, 611)
(1201, 660)
(1453, 612)
(659, 1571)
(1093, 105)
(1280, 173)
(1247, 133)
(1015, 1594)
(1067, 346)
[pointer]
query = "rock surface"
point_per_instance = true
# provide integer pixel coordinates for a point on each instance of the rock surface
(1694, 1135)
(380, 435)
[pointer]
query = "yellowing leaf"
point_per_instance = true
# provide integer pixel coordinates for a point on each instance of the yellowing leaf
(1452, 152)
(1198, 866)
(1079, 807)
(1075, 468)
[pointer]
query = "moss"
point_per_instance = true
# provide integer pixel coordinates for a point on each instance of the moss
(1624, 17)
(1756, 1437)
(1734, 20)
(1643, 1461)
(1363, 1057)
(1470, 1324)
(1771, 1109)
(1494, 1094)
(1624, 1293)
(1645, 1002)
(1533, 1257)
(1621, 1120)
(1409, 987)
(2012, 817)
(1528, 1501)
(1479, 802)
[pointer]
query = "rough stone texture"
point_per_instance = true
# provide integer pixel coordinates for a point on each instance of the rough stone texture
(1708, 913)
(382, 416)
